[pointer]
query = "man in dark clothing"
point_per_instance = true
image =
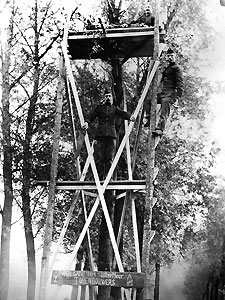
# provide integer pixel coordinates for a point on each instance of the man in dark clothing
(105, 148)
(145, 19)
(172, 89)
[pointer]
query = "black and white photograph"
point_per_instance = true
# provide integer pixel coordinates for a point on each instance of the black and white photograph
(112, 150)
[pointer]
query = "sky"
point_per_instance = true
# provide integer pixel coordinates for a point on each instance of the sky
(213, 70)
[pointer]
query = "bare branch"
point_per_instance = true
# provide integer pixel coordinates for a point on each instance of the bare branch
(45, 15)
(49, 46)
(120, 4)
(172, 15)
(36, 198)
(17, 221)
(24, 37)
(17, 80)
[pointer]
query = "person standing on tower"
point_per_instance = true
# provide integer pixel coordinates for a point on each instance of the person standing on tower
(172, 87)
(105, 148)
(146, 19)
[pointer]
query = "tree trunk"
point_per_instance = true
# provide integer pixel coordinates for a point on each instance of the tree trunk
(216, 288)
(157, 280)
(7, 166)
(79, 266)
(116, 292)
(207, 290)
(118, 93)
(105, 257)
(221, 284)
(8, 199)
(26, 171)
(53, 176)
(147, 231)
(105, 247)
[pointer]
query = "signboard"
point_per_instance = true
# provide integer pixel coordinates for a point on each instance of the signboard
(103, 278)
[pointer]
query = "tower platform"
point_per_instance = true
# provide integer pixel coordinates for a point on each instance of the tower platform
(113, 43)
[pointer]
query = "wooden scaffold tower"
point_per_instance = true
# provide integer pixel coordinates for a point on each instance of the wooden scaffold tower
(124, 43)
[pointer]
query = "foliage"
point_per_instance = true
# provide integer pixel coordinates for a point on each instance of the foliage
(206, 250)
(197, 277)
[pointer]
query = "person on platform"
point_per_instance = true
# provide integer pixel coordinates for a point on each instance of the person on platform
(105, 148)
(146, 19)
(172, 86)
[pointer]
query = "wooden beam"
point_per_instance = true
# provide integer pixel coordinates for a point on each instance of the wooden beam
(92, 35)
(91, 185)
(94, 195)
(112, 32)
(153, 201)
(51, 192)
(67, 219)
(148, 234)
(99, 278)
(121, 195)
(100, 188)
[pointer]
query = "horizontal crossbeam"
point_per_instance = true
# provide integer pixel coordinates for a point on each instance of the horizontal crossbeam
(91, 185)
(113, 33)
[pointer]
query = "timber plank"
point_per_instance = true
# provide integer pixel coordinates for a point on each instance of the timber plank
(102, 278)
(90, 185)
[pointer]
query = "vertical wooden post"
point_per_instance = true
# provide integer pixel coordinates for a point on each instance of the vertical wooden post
(147, 233)
(51, 196)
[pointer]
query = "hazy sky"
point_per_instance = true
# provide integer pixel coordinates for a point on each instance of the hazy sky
(215, 71)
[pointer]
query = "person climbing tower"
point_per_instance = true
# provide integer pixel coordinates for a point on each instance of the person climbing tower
(172, 86)
(105, 148)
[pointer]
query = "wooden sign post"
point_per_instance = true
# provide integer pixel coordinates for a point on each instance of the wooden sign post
(100, 278)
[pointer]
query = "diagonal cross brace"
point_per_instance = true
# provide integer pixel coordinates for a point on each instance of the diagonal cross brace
(68, 217)
(101, 188)
(131, 124)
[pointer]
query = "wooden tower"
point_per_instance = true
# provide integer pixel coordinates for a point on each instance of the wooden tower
(118, 44)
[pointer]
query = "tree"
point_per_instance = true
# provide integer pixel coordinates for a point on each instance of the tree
(53, 176)
(30, 69)
(27, 149)
(205, 252)
(7, 159)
